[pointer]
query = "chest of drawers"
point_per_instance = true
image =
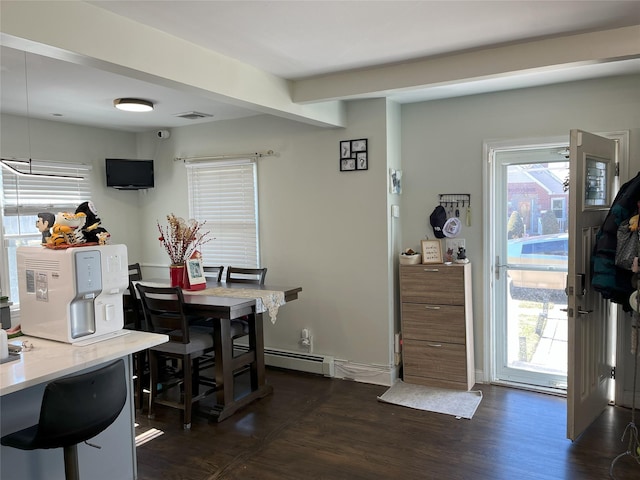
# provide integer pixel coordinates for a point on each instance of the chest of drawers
(437, 325)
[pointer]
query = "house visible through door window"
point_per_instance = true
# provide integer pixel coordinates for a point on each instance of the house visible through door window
(24, 197)
(224, 194)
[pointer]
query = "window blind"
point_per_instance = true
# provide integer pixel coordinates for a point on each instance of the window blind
(29, 195)
(23, 197)
(224, 194)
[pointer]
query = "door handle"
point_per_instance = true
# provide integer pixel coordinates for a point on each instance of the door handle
(584, 312)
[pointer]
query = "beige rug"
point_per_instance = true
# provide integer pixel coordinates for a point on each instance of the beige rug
(459, 403)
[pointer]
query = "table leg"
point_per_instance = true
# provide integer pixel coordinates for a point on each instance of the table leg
(226, 364)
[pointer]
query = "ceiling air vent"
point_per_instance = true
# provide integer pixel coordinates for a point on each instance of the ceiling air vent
(193, 115)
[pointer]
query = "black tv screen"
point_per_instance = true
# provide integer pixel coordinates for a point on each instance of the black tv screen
(129, 174)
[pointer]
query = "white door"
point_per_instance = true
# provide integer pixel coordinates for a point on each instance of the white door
(591, 190)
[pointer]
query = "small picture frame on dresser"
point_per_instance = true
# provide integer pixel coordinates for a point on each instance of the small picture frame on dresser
(431, 251)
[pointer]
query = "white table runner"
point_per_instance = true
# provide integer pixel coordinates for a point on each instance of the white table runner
(266, 300)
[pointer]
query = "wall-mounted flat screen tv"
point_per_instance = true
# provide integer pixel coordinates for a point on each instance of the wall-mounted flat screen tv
(129, 174)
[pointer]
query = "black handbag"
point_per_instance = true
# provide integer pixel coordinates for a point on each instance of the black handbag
(626, 246)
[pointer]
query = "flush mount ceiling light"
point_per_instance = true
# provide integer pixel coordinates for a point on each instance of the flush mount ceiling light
(133, 104)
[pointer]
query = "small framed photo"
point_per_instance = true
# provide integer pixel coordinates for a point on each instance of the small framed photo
(195, 273)
(361, 161)
(359, 145)
(347, 164)
(431, 251)
(345, 149)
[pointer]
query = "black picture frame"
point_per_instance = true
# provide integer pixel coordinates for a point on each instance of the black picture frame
(354, 155)
(345, 149)
(347, 164)
(362, 162)
(359, 145)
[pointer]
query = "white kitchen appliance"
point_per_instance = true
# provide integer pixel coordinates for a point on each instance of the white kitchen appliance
(72, 295)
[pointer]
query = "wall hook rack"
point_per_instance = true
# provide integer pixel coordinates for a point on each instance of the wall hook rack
(459, 199)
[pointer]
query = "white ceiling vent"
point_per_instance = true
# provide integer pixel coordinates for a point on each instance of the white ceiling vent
(193, 115)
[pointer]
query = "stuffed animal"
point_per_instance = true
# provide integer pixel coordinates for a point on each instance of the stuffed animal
(44, 223)
(67, 229)
(92, 231)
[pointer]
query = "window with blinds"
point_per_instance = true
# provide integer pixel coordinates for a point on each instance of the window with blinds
(224, 194)
(23, 197)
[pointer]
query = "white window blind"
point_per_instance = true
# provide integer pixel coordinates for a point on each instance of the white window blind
(23, 197)
(29, 195)
(224, 194)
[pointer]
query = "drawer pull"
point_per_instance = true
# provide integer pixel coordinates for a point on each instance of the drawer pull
(431, 307)
(437, 345)
(431, 270)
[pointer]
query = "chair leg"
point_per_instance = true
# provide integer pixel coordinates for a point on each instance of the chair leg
(71, 469)
(139, 359)
(153, 382)
(188, 390)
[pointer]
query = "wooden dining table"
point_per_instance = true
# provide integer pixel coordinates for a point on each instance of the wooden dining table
(222, 310)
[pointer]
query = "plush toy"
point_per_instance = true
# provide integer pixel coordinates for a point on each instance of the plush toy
(44, 223)
(92, 231)
(67, 229)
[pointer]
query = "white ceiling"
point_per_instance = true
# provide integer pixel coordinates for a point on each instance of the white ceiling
(303, 39)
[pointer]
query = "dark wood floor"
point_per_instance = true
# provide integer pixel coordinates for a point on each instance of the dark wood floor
(319, 428)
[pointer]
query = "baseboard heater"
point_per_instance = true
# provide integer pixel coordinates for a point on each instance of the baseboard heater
(303, 362)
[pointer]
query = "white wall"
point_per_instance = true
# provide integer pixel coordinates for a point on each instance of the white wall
(321, 229)
(442, 150)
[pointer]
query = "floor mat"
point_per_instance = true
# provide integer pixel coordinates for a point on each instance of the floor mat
(459, 403)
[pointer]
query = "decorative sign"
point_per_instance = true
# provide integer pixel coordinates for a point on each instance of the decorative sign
(431, 252)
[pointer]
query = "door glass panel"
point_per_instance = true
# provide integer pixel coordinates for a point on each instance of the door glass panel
(595, 192)
(535, 330)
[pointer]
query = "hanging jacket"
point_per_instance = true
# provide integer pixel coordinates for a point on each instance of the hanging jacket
(612, 282)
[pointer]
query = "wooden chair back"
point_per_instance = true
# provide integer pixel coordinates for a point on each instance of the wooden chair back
(135, 272)
(132, 306)
(214, 272)
(246, 275)
(163, 309)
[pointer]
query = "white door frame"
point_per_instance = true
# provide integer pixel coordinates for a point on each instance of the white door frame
(489, 208)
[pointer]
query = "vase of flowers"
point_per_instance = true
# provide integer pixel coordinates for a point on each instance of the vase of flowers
(180, 238)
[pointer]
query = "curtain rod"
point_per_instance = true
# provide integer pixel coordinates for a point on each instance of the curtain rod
(268, 153)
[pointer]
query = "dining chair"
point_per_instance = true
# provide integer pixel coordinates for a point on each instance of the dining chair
(133, 320)
(165, 313)
(214, 272)
(256, 276)
(132, 307)
(246, 275)
(75, 409)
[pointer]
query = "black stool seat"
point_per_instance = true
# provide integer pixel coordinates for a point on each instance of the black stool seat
(75, 409)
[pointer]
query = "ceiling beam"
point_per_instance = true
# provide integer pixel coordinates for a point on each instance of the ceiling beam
(552, 53)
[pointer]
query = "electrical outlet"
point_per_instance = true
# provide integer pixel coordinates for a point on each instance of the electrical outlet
(454, 244)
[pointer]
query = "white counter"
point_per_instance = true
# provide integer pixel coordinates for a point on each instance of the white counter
(22, 384)
(49, 360)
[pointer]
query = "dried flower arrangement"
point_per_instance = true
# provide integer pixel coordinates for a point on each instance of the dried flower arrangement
(180, 238)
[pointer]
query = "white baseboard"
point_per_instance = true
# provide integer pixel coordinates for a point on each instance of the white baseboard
(302, 362)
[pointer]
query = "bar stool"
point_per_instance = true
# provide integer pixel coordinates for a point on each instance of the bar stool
(74, 409)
